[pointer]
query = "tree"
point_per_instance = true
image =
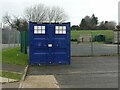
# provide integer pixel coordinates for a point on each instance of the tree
(42, 13)
(7, 20)
(15, 22)
(110, 25)
(56, 14)
(75, 27)
(51, 14)
(106, 22)
(37, 13)
(83, 24)
(107, 25)
(60, 15)
(102, 26)
(94, 21)
(88, 22)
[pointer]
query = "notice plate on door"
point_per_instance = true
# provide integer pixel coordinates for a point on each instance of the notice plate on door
(49, 45)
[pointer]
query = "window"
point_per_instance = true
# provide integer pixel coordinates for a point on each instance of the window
(39, 29)
(60, 30)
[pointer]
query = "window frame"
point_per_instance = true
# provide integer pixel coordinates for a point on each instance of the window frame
(41, 30)
(60, 30)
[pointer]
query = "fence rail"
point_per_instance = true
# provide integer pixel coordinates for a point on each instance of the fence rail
(10, 38)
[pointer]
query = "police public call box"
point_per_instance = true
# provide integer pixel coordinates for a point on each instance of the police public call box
(49, 43)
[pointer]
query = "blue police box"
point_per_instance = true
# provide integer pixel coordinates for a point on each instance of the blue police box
(49, 43)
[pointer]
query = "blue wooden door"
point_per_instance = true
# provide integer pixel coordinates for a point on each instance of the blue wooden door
(49, 43)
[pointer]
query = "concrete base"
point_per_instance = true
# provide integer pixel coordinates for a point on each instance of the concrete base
(7, 80)
(40, 81)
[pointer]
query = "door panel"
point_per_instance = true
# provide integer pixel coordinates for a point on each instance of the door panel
(49, 48)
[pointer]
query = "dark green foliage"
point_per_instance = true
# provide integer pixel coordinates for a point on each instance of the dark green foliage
(94, 22)
(75, 27)
(83, 24)
(89, 23)
(102, 26)
(107, 25)
(99, 38)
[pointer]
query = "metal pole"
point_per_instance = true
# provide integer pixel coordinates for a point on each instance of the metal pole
(9, 38)
(14, 37)
(17, 39)
(91, 44)
(118, 45)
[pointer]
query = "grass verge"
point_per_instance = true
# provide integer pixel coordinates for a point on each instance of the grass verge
(10, 75)
(14, 56)
(109, 34)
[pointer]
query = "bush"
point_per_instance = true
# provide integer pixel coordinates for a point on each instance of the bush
(74, 40)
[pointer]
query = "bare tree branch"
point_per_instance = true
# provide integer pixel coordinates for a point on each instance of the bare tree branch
(15, 22)
(7, 19)
(42, 13)
(37, 13)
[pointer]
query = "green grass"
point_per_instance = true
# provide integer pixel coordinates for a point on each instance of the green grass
(11, 75)
(108, 33)
(14, 56)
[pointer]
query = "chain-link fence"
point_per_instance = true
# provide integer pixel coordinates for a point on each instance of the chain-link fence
(10, 38)
(94, 45)
(86, 45)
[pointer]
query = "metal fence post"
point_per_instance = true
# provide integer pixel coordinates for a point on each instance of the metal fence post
(17, 38)
(9, 38)
(91, 44)
(118, 45)
(14, 37)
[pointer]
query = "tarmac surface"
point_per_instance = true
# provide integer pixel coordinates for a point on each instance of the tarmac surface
(84, 72)
(12, 68)
(85, 49)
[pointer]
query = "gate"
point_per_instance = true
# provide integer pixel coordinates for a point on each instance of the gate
(49, 43)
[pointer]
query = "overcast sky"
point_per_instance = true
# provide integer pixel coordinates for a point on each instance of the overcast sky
(76, 9)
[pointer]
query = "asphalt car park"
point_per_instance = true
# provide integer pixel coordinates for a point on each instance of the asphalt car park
(84, 72)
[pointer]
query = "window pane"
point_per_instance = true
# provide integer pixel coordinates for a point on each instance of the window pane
(43, 27)
(56, 27)
(35, 27)
(35, 31)
(39, 31)
(60, 27)
(56, 32)
(43, 31)
(64, 27)
(60, 31)
(39, 27)
(64, 31)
